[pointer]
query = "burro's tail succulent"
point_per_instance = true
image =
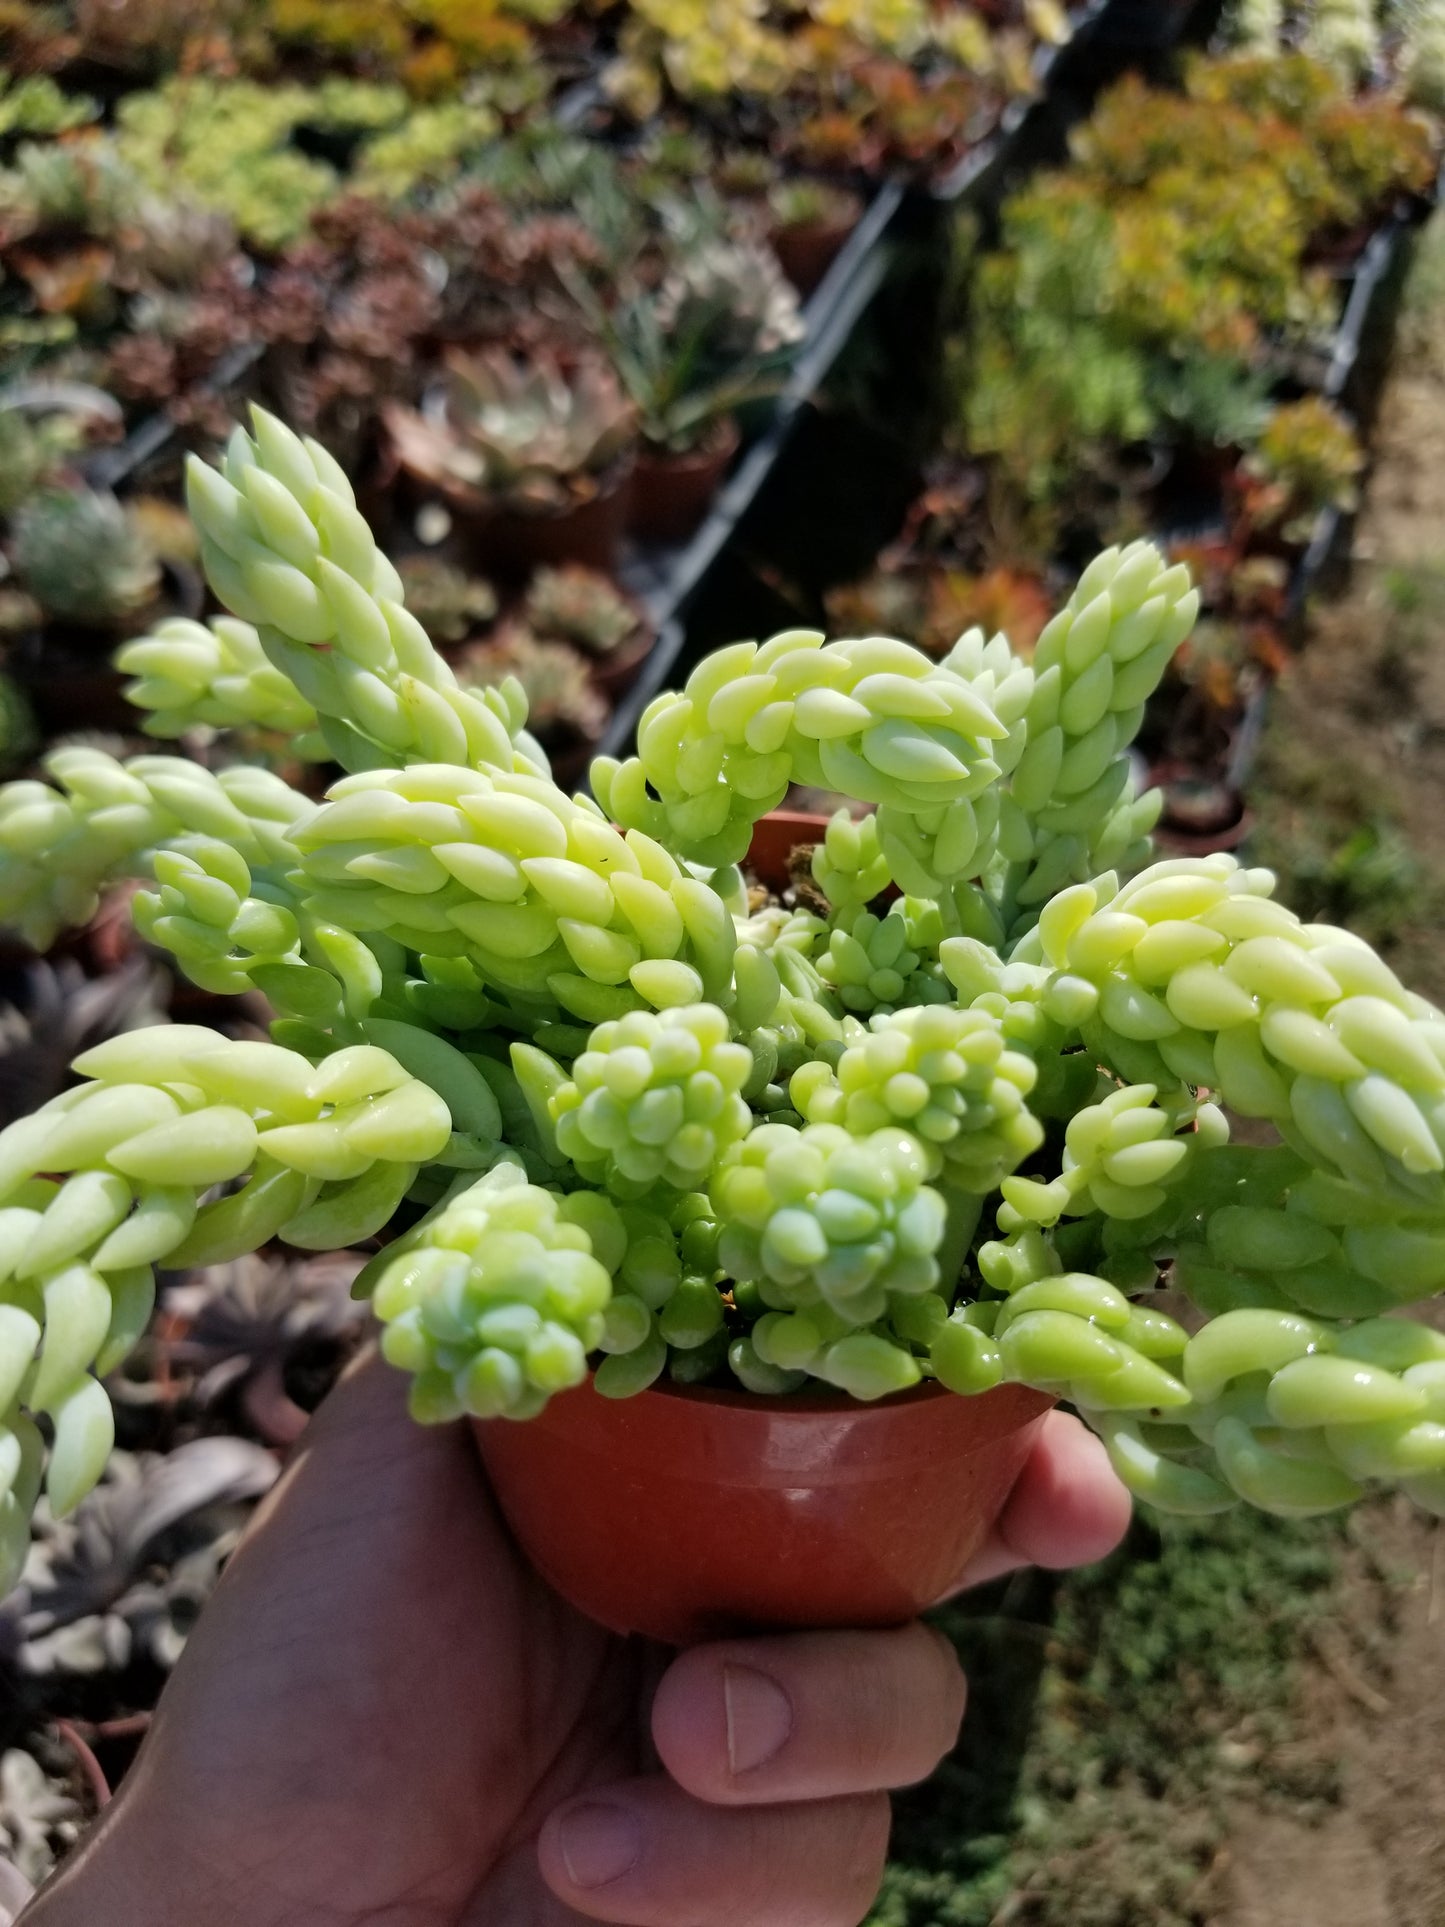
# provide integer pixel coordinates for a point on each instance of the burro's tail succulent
(958, 1119)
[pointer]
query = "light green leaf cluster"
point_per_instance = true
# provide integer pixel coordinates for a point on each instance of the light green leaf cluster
(1424, 61)
(213, 676)
(871, 964)
(819, 1216)
(1069, 812)
(849, 866)
(534, 889)
(873, 718)
(945, 1075)
(60, 846)
(287, 550)
(498, 1301)
(108, 1180)
(1344, 36)
(655, 1099)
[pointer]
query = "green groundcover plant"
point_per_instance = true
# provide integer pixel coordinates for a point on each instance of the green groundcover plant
(617, 1118)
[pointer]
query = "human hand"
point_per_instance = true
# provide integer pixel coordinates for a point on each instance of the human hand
(385, 1718)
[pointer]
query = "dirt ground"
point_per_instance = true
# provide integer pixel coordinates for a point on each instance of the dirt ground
(1355, 762)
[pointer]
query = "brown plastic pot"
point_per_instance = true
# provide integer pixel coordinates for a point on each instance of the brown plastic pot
(510, 545)
(672, 493)
(807, 249)
(686, 1513)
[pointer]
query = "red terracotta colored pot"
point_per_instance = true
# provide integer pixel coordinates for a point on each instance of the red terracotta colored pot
(775, 837)
(672, 493)
(686, 1513)
(510, 545)
(807, 249)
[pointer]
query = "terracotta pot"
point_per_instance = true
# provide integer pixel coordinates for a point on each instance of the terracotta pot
(510, 545)
(776, 837)
(672, 493)
(685, 1513)
(808, 249)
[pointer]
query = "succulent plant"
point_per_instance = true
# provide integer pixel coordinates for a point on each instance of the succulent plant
(731, 299)
(448, 603)
(717, 333)
(1425, 56)
(527, 432)
(79, 186)
(1309, 458)
(81, 556)
(31, 448)
(40, 1820)
(562, 699)
(33, 104)
(237, 1328)
(643, 1125)
(580, 605)
(126, 1575)
(809, 203)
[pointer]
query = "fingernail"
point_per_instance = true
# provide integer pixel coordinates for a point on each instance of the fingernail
(759, 1715)
(599, 1844)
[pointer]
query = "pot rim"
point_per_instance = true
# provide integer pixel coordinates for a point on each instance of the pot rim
(803, 1403)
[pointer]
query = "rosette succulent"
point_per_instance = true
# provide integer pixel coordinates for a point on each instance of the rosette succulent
(529, 433)
(613, 1115)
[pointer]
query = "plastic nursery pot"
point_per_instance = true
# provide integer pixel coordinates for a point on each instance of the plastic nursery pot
(510, 544)
(686, 1513)
(775, 837)
(807, 249)
(671, 493)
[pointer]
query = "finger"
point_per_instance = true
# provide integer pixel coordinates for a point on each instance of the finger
(646, 1854)
(1066, 1509)
(808, 1716)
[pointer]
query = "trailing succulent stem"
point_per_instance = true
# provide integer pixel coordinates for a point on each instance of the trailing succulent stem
(608, 1117)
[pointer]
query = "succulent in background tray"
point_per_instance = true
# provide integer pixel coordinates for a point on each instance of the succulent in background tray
(528, 432)
(33, 104)
(251, 1330)
(81, 556)
(717, 333)
(448, 603)
(1307, 459)
(582, 606)
(564, 706)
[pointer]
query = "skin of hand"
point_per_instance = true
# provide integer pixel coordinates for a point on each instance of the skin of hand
(386, 1719)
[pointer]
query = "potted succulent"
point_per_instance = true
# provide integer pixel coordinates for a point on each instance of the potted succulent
(578, 606)
(715, 335)
(778, 1231)
(1307, 459)
(808, 222)
(90, 574)
(532, 456)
